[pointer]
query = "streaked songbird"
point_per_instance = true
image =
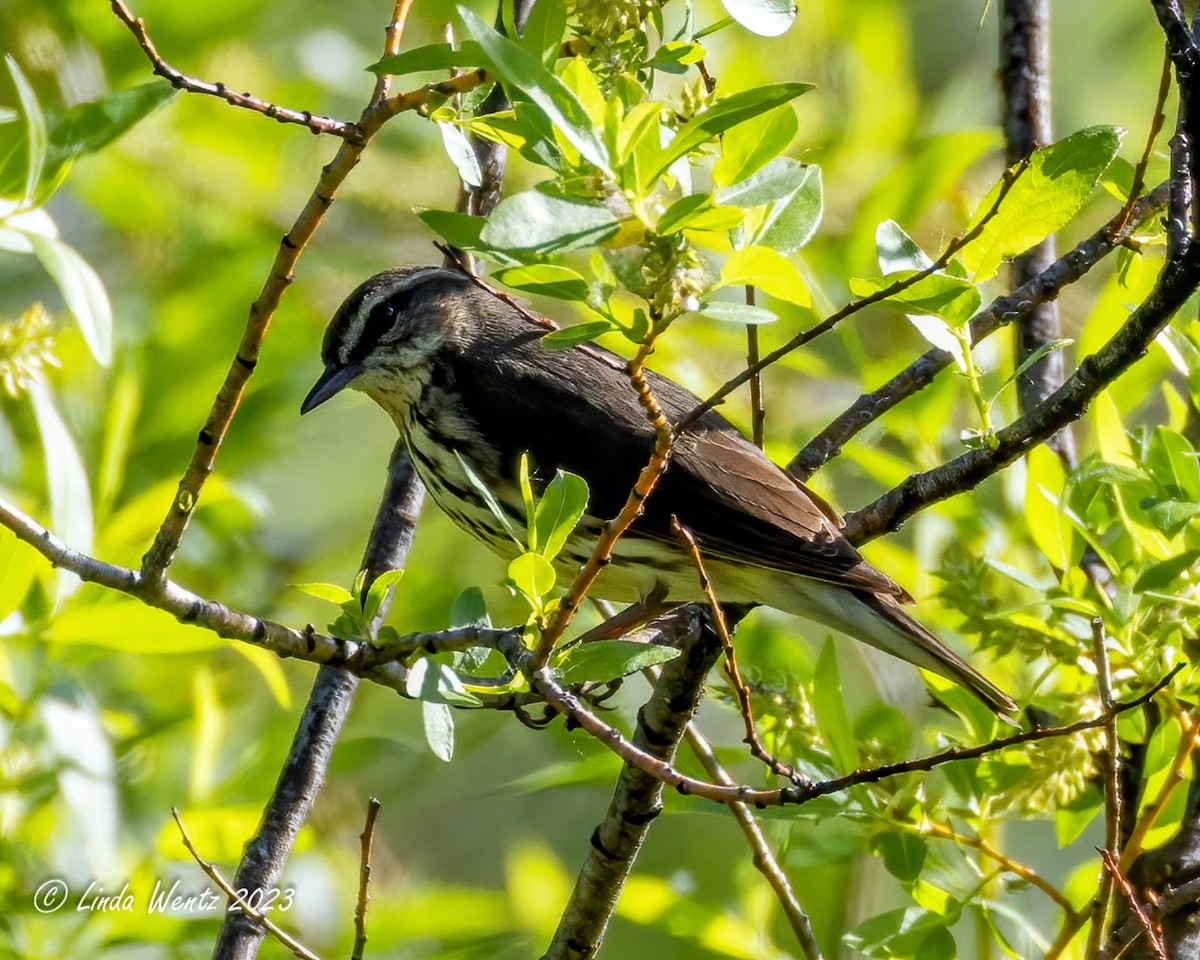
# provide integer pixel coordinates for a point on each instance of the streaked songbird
(464, 376)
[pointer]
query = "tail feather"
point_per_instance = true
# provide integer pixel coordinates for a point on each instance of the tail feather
(917, 645)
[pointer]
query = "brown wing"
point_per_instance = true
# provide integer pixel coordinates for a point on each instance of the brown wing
(576, 410)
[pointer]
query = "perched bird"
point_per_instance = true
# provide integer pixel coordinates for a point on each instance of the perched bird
(466, 380)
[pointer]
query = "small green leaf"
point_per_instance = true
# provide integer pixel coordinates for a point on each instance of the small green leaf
(676, 56)
(793, 221)
(897, 250)
(532, 575)
(777, 180)
(723, 115)
(1157, 577)
(938, 333)
(461, 154)
(768, 270)
(1043, 350)
(903, 854)
(326, 591)
(373, 602)
(458, 229)
(558, 512)
(531, 538)
(953, 299)
(750, 146)
(432, 56)
(1173, 464)
(1044, 199)
(550, 222)
(439, 729)
(489, 498)
(573, 336)
(767, 18)
(830, 709)
(557, 102)
(544, 31)
(17, 560)
(547, 280)
(605, 660)
(732, 312)
(470, 609)
(433, 681)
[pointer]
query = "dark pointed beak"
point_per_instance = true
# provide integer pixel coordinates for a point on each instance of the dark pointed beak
(333, 380)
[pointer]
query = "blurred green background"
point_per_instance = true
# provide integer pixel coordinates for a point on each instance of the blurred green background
(115, 713)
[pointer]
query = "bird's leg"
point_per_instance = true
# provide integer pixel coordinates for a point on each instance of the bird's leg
(637, 614)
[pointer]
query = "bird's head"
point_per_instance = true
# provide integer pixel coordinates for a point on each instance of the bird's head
(387, 332)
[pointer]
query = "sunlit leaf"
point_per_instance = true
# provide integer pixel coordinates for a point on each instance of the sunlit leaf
(731, 312)
(576, 334)
(768, 270)
(559, 510)
(439, 729)
(82, 289)
(767, 18)
(793, 220)
(432, 56)
(36, 136)
(461, 154)
(830, 708)
(526, 72)
(547, 280)
(951, 298)
(1048, 194)
(750, 146)
(604, 660)
(532, 574)
(17, 566)
(547, 221)
(325, 591)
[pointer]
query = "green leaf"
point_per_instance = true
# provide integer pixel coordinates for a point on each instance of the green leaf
(1043, 350)
(128, 625)
(605, 660)
(768, 270)
(1072, 819)
(573, 336)
(562, 504)
(439, 729)
(36, 137)
(731, 312)
(17, 566)
(1044, 199)
(777, 180)
(1169, 516)
(525, 72)
(903, 854)
(897, 250)
(1044, 485)
(676, 56)
(373, 602)
(938, 333)
(82, 289)
(490, 499)
(767, 18)
(1157, 577)
(544, 31)
(433, 681)
(461, 154)
(326, 591)
(550, 222)
(470, 609)
(88, 127)
(458, 229)
(792, 221)
(750, 146)
(722, 116)
(1173, 464)
(953, 299)
(831, 710)
(432, 56)
(532, 575)
(547, 280)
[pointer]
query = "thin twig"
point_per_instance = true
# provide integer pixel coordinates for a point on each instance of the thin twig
(601, 555)
(758, 412)
(1011, 175)
(1014, 867)
(295, 946)
(1152, 930)
(732, 671)
(1110, 762)
(763, 856)
(181, 81)
(367, 838)
(1156, 125)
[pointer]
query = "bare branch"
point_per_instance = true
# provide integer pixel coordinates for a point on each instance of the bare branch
(364, 881)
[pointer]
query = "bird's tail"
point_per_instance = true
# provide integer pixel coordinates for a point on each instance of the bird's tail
(906, 637)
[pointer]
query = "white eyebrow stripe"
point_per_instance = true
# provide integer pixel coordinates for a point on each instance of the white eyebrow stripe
(354, 330)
